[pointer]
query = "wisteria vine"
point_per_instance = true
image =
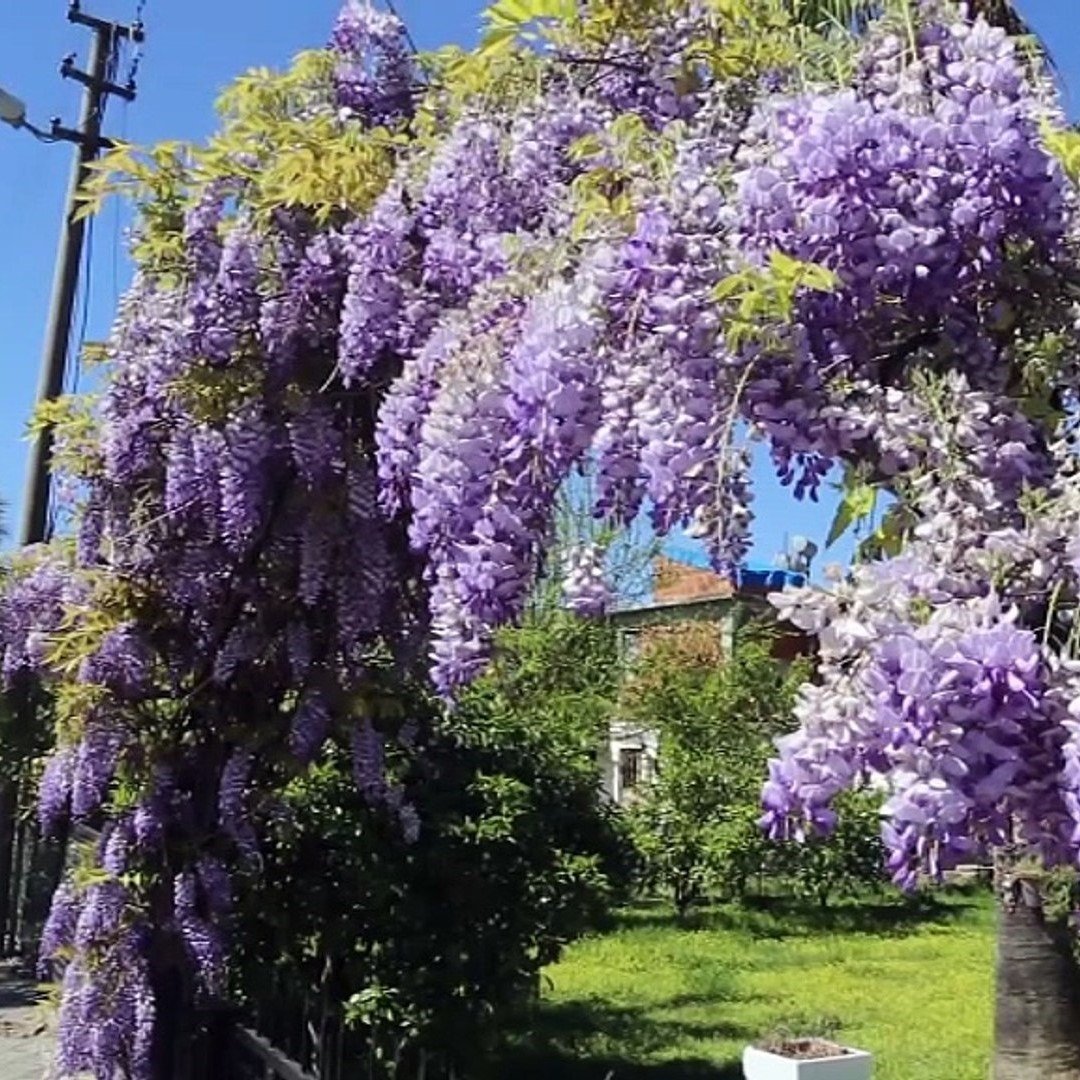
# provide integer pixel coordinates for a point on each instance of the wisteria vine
(334, 432)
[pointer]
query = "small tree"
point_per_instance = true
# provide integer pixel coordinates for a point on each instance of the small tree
(697, 827)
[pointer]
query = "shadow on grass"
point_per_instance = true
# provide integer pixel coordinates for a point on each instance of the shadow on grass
(17, 993)
(778, 917)
(591, 1040)
(567, 1067)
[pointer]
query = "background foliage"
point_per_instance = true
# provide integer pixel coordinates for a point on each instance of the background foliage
(698, 827)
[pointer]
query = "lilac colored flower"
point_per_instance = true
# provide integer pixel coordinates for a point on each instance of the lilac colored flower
(123, 662)
(156, 807)
(374, 74)
(410, 823)
(585, 588)
(94, 767)
(310, 727)
(233, 799)
(245, 477)
(34, 603)
(117, 841)
(54, 795)
(317, 447)
(203, 940)
(215, 883)
(58, 933)
(369, 762)
(382, 282)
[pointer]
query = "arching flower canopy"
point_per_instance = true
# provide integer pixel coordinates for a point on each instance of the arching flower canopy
(384, 318)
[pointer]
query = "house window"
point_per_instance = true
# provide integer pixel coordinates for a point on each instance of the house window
(630, 644)
(631, 766)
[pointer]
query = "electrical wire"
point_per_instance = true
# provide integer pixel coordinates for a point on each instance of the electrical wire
(392, 8)
(137, 47)
(115, 244)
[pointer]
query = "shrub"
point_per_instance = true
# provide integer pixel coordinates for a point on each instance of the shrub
(697, 829)
(432, 944)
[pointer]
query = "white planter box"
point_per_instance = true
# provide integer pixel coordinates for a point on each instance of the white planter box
(763, 1065)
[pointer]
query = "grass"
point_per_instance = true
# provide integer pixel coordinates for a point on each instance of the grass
(655, 1000)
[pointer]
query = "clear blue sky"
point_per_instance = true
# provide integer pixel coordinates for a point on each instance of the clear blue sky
(194, 48)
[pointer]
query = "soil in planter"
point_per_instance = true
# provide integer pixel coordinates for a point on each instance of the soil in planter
(803, 1049)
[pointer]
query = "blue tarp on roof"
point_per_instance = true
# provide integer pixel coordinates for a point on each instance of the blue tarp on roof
(685, 549)
(759, 577)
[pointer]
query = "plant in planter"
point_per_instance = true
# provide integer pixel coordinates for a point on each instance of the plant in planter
(805, 1058)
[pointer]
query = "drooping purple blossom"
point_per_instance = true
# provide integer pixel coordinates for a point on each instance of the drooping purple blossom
(374, 75)
(369, 762)
(58, 933)
(233, 802)
(585, 587)
(54, 791)
(94, 766)
(310, 727)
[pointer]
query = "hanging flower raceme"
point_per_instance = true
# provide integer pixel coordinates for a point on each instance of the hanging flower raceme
(585, 587)
(374, 76)
(931, 685)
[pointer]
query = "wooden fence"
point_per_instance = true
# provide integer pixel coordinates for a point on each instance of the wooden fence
(256, 1058)
(30, 868)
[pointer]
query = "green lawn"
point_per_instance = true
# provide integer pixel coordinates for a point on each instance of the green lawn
(650, 1000)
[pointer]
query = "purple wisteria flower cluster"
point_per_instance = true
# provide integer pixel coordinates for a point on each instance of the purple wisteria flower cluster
(946, 676)
(917, 187)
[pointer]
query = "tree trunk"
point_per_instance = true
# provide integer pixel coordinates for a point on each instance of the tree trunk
(1037, 1021)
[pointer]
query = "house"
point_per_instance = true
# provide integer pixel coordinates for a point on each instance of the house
(684, 594)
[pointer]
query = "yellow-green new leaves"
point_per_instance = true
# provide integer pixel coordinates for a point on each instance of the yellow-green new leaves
(889, 538)
(325, 167)
(509, 21)
(1065, 146)
(761, 298)
(627, 151)
(278, 148)
(156, 181)
(290, 153)
(858, 503)
(211, 393)
(73, 421)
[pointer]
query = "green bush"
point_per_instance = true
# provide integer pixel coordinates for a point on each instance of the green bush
(431, 945)
(697, 827)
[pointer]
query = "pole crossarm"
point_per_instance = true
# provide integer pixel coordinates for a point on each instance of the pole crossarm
(69, 71)
(92, 22)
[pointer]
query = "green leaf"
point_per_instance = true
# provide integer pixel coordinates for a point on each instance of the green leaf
(518, 14)
(497, 41)
(858, 503)
(1065, 146)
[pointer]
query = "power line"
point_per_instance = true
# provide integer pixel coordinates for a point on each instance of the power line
(75, 354)
(391, 7)
(137, 47)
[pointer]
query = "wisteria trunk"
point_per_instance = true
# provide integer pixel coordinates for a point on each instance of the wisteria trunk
(1037, 1013)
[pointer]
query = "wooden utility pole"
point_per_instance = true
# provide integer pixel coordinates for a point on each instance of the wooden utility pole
(89, 143)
